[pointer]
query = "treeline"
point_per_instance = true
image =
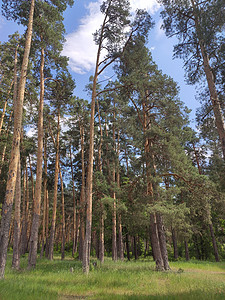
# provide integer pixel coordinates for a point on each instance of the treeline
(125, 172)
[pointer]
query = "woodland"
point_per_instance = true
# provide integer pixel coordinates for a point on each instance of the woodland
(120, 175)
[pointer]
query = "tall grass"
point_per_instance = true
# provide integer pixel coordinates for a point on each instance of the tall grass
(120, 280)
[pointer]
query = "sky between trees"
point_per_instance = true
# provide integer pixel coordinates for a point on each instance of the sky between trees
(84, 18)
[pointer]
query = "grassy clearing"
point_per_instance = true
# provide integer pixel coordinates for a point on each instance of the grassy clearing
(121, 280)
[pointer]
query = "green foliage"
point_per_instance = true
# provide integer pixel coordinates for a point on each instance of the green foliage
(19, 10)
(180, 19)
(116, 14)
(141, 128)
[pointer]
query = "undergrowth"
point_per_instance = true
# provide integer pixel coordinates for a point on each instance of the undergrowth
(121, 280)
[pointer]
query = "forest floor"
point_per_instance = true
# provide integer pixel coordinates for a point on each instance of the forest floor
(121, 280)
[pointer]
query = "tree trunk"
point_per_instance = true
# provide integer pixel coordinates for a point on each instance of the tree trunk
(107, 147)
(16, 235)
(43, 227)
(95, 244)
(82, 196)
(28, 210)
(17, 217)
(209, 213)
(135, 248)
(32, 183)
(203, 251)
(57, 237)
(175, 249)
(155, 243)
(120, 229)
(10, 235)
(87, 242)
(152, 246)
(162, 241)
(63, 217)
(102, 218)
(44, 221)
(68, 233)
(11, 181)
(214, 243)
(195, 239)
(101, 138)
(101, 239)
(82, 228)
(186, 250)
(5, 146)
(74, 205)
(6, 101)
(114, 244)
(77, 232)
(38, 187)
(24, 216)
(120, 244)
(146, 248)
(47, 224)
(127, 246)
(53, 225)
(219, 120)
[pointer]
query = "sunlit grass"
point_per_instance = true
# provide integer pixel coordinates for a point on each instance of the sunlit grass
(121, 280)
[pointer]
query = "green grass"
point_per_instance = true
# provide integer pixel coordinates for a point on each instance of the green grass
(121, 280)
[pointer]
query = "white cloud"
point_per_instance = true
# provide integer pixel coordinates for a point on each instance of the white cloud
(80, 47)
(150, 5)
(31, 132)
(159, 30)
(64, 123)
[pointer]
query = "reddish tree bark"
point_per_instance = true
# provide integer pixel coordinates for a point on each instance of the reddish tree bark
(11, 181)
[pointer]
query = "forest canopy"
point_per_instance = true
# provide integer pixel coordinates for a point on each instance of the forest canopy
(121, 173)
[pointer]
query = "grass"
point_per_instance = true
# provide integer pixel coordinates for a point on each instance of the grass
(121, 280)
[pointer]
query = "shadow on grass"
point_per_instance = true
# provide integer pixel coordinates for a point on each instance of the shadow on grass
(57, 265)
(18, 290)
(54, 280)
(198, 295)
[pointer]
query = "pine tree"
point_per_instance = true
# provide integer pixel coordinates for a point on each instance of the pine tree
(48, 27)
(60, 94)
(11, 182)
(154, 100)
(110, 37)
(199, 28)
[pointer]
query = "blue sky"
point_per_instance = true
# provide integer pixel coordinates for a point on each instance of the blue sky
(84, 18)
